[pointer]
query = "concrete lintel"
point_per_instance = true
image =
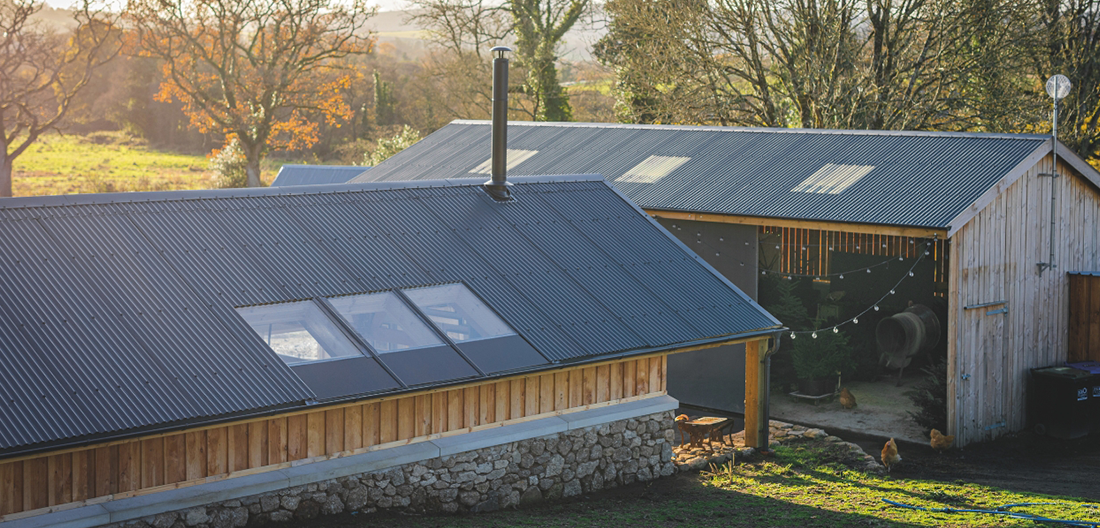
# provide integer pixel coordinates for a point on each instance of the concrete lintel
(82, 517)
(622, 411)
(500, 435)
(192, 496)
(362, 463)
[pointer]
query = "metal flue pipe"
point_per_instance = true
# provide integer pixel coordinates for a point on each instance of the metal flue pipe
(497, 186)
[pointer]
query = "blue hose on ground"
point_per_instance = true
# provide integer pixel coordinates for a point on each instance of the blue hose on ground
(1004, 510)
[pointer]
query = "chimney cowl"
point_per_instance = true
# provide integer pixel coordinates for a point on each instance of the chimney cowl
(497, 186)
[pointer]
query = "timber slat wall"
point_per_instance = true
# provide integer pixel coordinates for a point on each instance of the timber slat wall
(150, 464)
(1084, 318)
(994, 257)
(809, 252)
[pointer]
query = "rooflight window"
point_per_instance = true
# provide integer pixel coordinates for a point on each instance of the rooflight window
(458, 312)
(652, 169)
(833, 178)
(299, 332)
(385, 322)
(515, 157)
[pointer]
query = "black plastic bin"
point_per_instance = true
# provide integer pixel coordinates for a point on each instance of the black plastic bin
(1061, 402)
(1092, 367)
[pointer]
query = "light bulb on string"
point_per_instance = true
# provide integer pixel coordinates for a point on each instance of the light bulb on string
(836, 330)
(793, 336)
(814, 335)
(868, 270)
(910, 273)
(842, 275)
(857, 246)
(901, 259)
(855, 320)
(876, 307)
(765, 272)
(721, 239)
(891, 292)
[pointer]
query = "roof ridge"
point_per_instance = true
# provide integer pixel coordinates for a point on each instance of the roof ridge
(63, 200)
(765, 130)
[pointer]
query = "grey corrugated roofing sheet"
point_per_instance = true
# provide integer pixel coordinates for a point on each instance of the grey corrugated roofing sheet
(920, 179)
(316, 174)
(117, 311)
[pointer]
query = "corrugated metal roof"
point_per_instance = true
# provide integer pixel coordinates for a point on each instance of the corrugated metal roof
(116, 311)
(316, 174)
(920, 179)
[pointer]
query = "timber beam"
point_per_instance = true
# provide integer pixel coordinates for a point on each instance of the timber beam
(870, 229)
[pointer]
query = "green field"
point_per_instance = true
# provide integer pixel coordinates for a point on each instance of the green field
(108, 162)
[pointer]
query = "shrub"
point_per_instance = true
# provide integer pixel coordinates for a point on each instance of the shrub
(823, 357)
(930, 397)
(229, 166)
(389, 147)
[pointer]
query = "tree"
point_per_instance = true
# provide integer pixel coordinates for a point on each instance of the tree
(1071, 46)
(466, 29)
(42, 71)
(880, 64)
(540, 26)
(260, 71)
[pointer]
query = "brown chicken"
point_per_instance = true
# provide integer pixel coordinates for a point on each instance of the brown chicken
(846, 398)
(940, 441)
(890, 455)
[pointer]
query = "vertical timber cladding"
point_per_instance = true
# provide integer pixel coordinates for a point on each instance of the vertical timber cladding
(994, 258)
(1084, 318)
(145, 465)
(710, 378)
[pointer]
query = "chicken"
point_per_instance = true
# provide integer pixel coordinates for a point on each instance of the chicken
(940, 441)
(890, 455)
(846, 398)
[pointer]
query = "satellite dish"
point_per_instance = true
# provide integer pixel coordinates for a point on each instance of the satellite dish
(1058, 86)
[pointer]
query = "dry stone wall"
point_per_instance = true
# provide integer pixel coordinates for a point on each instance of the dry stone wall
(523, 472)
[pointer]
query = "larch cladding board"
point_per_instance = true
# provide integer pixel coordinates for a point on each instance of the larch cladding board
(1084, 317)
(995, 258)
(150, 464)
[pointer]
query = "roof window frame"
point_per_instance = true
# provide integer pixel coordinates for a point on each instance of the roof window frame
(363, 346)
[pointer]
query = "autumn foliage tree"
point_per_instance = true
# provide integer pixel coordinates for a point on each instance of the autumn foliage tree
(42, 71)
(261, 71)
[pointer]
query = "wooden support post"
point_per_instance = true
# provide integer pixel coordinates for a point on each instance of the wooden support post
(756, 394)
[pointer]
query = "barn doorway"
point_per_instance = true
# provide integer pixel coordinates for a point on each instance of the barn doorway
(835, 289)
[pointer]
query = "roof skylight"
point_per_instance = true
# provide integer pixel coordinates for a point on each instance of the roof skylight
(458, 312)
(515, 157)
(833, 178)
(385, 322)
(652, 169)
(298, 332)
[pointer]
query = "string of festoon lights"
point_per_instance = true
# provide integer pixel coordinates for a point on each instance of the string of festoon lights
(874, 307)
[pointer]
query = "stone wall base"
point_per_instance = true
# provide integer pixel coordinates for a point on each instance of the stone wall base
(560, 465)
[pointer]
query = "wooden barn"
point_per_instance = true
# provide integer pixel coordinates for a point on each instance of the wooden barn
(1000, 233)
(217, 358)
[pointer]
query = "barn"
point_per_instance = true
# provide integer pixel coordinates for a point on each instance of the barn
(985, 225)
(244, 356)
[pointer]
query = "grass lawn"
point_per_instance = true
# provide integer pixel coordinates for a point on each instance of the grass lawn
(807, 485)
(109, 162)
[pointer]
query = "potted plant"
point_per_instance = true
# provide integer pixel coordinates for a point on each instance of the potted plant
(819, 361)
